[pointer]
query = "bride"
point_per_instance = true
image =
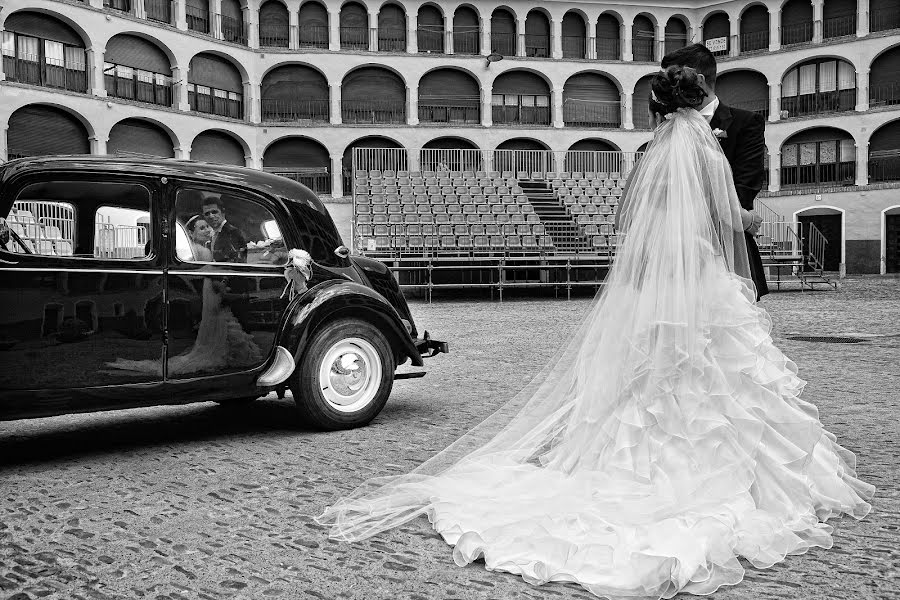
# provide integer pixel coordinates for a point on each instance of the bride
(221, 341)
(668, 439)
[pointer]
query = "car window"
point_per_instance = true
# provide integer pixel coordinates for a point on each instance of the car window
(47, 218)
(212, 226)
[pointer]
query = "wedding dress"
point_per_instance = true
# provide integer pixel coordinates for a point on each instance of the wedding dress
(665, 441)
(221, 341)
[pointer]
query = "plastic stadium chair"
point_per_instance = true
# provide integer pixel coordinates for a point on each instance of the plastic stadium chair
(464, 242)
(576, 209)
(482, 209)
(379, 209)
(508, 229)
(470, 219)
(487, 219)
(565, 175)
(590, 209)
(590, 229)
(497, 242)
(431, 241)
(469, 209)
(523, 229)
(526, 209)
(363, 218)
(532, 218)
(545, 241)
(537, 229)
(395, 219)
(364, 230)
(409, 219)
(448, 242)
(506, 175)
(429, 218)
(529, 242)
(517, 218)
(598, 241)
(454, 209)
(502, 218)
(441, 218)
(514, 242)
(437, 209)
(492, 229)
(457, 219)
(379, 219)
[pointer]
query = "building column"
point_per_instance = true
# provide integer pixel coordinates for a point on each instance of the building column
(448, 35)
(520, 37)
(294, 30)
(487, 108)
(337, 176)
(485, 36)
(334, 31)
(556, 39)
(95, 63)
(4, 141)
(251, 22)
(774, 102)
(817, 6)
(775, 30)
(412, 35)
(335, 101)
(862, 18)
(215, 7)
(862, 164)
(557, 100)
(253, 96)
(181, 15)
(735, 38)
(774, 164)
(625, 36)
(412, 103)
(591, 51)
(660, 49)
(862, 91)
(182, 152)
(179, 76)
(373, 32)
(627, 105)
(98, 144)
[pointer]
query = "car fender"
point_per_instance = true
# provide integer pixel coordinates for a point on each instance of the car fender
(336, 299)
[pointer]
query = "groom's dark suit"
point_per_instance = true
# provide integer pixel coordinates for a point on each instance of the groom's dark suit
(745, 148)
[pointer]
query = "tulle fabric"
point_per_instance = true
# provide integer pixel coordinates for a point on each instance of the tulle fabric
(666, 440)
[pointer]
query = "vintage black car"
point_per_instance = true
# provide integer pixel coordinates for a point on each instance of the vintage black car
(130, 282)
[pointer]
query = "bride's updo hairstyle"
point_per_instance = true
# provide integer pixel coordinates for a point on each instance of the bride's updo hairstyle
(675, 87)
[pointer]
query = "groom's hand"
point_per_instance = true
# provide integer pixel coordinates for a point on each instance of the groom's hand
(751, 221)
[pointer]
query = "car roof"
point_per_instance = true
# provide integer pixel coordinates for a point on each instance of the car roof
(261, 181)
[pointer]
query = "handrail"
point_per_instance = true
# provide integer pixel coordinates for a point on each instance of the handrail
(816, 249)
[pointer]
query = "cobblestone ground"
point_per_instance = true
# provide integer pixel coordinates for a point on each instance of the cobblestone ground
(207, 502)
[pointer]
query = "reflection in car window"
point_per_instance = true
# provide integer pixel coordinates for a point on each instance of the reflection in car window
(45, 216)
(212, 226)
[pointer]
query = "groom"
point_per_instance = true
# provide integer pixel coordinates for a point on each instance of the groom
(742, 135)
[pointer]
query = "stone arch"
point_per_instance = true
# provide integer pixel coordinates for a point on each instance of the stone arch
(430, 28)
(574, 34)
(294, 92)
(274, 24)
(593, 155)
(466, 30)
(215, 85)
(449, 95)
(392, 27)
(142, 136)
(48, 51)
(884, 153)
(302, 159)
(138, 67)
(373, 94)
(313, 24)
(717, 28)
(831, 222)
(754, 28)
(523, 154)
(643, 38)
(818, 85)
(592, 99)
(504, 33)
(607, 36)
(220, 146)
(796, 22)
(640, 103)
(354, 26)
(521, 97)
(41, 129)
(817, 156)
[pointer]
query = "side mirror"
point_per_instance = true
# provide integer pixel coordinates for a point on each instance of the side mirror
(342, 251)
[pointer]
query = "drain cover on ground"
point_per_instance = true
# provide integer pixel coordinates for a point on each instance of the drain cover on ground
(827, 339)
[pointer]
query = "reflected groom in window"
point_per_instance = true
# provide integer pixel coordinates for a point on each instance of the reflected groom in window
(228, 242)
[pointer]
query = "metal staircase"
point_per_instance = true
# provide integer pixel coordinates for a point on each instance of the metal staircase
(557, 222)
(785, 256)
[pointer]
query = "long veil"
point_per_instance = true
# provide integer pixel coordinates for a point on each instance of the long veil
(647, 414)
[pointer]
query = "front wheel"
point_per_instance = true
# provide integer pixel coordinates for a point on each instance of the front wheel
(345, 375)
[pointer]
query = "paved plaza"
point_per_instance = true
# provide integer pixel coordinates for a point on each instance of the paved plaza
(208, 502)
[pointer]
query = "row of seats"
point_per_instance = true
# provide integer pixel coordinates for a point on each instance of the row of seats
(443, 218)
(448, 229)
(442, 199)
(451, 209)
(436, 188)
(389, 173)
(454, 244)
(40, 239)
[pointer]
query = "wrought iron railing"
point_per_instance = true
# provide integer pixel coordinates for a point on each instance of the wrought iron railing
(124, 6)
(884, 19)
(66, 73)
(275, 109)
(574, 46)
(214, 101)
(197, 18)
(354, 38)
(274, 35)
(643, 49)
(884, 94)
(537, 45)
(446, 111)
(466, 41)
(884, 168)
(315, 36)
(608, 48)
(818, 174)
(592, 113)
(760, 106)
(392, 39)
(503, 114)
(819, 103)
(135, 84)
(503, 43)
(796, 33)
(815, 249)
(162, 11)
(373, 111)
(232, 29)
(754, 41)
(839, 26)
(430, 38)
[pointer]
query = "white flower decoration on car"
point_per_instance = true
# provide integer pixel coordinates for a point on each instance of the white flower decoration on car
(297, 271)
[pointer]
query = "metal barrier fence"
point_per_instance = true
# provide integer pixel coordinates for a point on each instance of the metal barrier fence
(44, 227)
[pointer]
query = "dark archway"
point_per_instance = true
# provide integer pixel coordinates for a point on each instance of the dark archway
(839, 19)
(884, 153)
(818, 86)
(449, 96)
(313, 20)
(591, 100)
(215, 86)
(608, 37)
(829, 223)
(796, 22)
(39, 49)
(274, 25)
(392, 28)
(218, 147)
(197, 13)
(574, 34)
(717, 33)
(301, 159)
(455, 154)
(818, 156)
(430, 29)
(643, 39)
(466, 31)
(503, 32)
(354, 27)
(640, 103)
(376, 154)
(744, 89)
(294, 93)
(523, 155)
(884, 15)
(676, 34)
(373, 95)
(37, 130)
(884, 78)
(137, 69)
(134, 136)
(592, 155)
(231, 22)
(754, 29)
(537, 34)
(520, 98)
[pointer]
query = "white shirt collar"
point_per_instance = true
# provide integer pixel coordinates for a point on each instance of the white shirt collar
(710, 109)
(221, 225)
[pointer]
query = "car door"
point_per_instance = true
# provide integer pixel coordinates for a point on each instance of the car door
(81, 285)
(225, 289)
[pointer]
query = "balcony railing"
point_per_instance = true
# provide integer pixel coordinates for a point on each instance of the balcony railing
(275, 109)
(836, 27)
(819, 174)
(459, 113)
(373, 111)
(884, 20)
(884, 94)
(608, 48)
(124, 6)
(819, 103)
(885, 168)
(797, 33)
(233, 30)
(213, 101)
(503, 43)
(430, 38)
(537, 46)
(675, 41)
(574, 46)
(391, 39)
(197, 18)
(466, 42)
(587, 113)
(315, 36)
(162, 11)
(134, 84)
(643, 49)
(760, 107)
(354, 38)
(640, 112)
(68, 72)
(507, 114)
(274, 35)
(754, 41)
(316, 179)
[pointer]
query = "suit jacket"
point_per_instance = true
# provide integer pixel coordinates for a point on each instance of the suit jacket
(745, 149)
(230, 245)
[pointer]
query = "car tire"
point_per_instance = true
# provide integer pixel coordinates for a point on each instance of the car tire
(345, 375)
